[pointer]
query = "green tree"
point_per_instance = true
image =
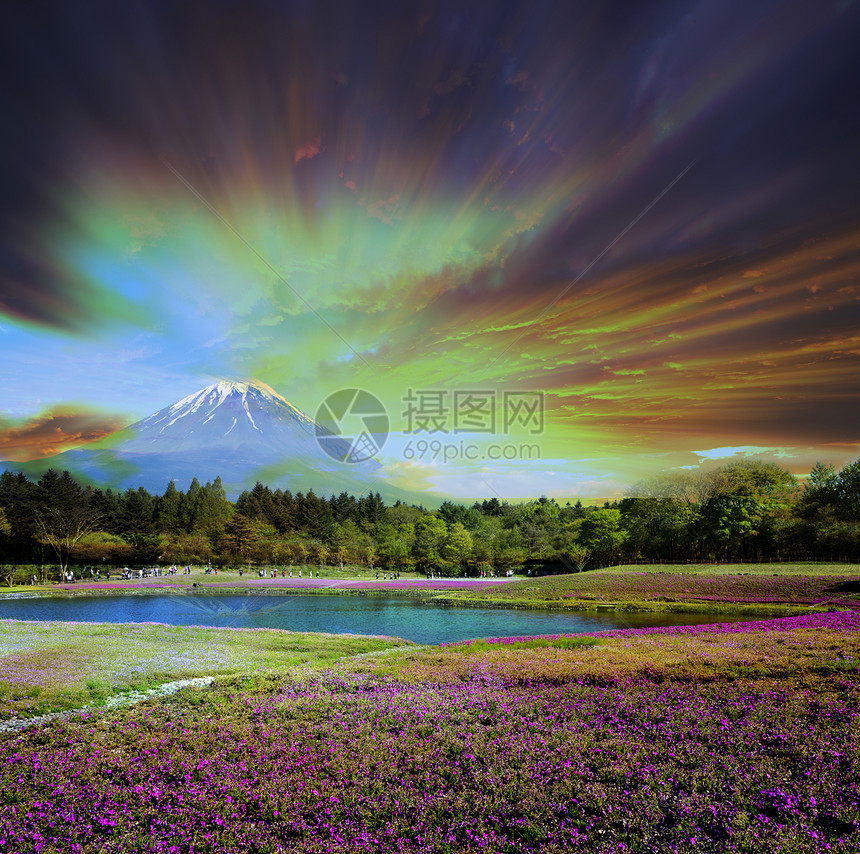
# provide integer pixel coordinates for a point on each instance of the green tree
(20, 499)
(371, 509)
(343, 506)
(137, 512)
(658, 527)
(322, 553)
(283, 511)
(257, 504)
(846, 484)
(213, 506)
(602, 534)
(241, 534)
(569, 551)
(107, 505)
(189, 506)
(748, 496)
(314, 514)
(456, 548)
(817, 507)
(168, 510)
(339, 554)
(430, 533)
(146, 548)
(5, 531)
(347, 540)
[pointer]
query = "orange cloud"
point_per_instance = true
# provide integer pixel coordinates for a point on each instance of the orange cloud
(52, 433)
(308, 150)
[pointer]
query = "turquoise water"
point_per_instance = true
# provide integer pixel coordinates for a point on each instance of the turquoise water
(402, 618)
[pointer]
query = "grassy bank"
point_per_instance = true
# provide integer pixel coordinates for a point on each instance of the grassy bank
(740, 588)
(721, 739)
(849, 570)
(46, 667)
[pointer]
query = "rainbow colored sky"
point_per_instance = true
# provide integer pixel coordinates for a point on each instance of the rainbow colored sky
(646, 211)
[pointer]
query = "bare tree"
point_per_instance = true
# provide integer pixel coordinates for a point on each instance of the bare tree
(62, 528)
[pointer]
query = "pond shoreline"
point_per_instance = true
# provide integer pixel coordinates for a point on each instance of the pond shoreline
(434, 596)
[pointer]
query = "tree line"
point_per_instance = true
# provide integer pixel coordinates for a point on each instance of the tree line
(742, 511)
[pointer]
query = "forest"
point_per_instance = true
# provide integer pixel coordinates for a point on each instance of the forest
(747, 510)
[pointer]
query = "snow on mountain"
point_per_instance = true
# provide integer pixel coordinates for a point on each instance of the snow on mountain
(227, 414)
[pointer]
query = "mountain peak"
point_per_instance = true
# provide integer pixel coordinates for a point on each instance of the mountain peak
(224, 388)
(226, 407)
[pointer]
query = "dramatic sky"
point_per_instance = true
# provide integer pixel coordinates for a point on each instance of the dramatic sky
(647, 212)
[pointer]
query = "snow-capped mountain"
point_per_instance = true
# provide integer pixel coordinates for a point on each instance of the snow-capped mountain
(230, 415)
(238, 431)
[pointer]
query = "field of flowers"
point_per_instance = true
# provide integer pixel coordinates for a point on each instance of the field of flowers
(615, 745)
(673, 590)
(46, 667)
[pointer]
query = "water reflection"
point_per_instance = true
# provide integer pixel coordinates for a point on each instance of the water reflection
(338, 614)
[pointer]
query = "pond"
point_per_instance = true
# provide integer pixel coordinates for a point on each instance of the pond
(425, 624)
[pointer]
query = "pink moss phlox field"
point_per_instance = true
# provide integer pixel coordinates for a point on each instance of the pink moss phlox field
(471, 762)
(848, 621)
(839, 591)
(114, 585)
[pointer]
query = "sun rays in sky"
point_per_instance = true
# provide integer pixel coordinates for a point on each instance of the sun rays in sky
(644, 212)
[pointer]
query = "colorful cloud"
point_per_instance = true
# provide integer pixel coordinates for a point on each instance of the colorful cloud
(646, 213)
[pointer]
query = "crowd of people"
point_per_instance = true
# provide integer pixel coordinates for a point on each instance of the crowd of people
(71, 576)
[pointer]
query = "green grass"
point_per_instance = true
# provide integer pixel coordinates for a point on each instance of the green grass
(808, 569)
(47, 667)
(474, 647)
(755, 589)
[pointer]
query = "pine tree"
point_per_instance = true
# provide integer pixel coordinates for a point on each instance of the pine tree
(168, 510)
